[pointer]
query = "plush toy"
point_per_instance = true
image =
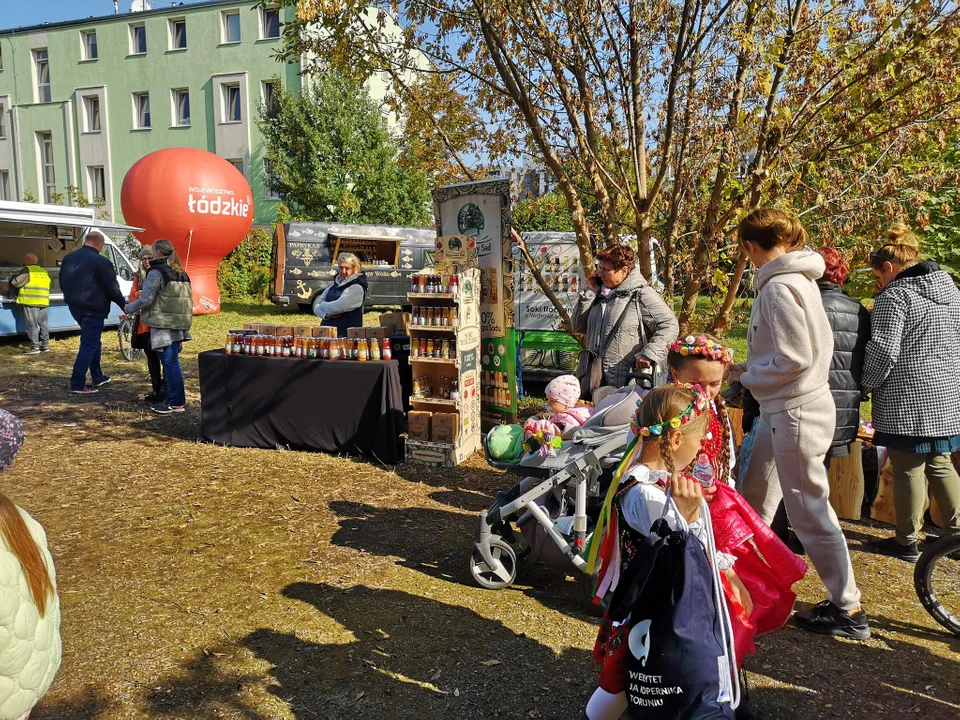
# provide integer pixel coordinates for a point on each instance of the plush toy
(542, 437)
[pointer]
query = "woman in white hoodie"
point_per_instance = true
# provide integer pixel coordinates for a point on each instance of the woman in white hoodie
(790, 347)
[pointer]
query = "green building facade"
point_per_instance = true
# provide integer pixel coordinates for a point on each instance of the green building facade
(82, 101)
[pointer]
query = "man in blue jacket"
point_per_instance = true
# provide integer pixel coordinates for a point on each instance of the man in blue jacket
(89, 284)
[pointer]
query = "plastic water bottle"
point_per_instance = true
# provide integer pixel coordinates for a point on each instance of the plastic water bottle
(703, 470)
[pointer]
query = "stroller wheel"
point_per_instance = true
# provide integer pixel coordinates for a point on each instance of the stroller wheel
(502, 575)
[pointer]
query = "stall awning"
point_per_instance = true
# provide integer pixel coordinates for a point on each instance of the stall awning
(34, 214)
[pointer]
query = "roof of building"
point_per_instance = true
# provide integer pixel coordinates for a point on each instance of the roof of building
(167, 8)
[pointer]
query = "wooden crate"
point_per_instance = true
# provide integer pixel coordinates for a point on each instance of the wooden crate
(846, 483)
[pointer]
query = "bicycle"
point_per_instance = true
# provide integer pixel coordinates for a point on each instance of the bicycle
(124, 337)
(937, 581)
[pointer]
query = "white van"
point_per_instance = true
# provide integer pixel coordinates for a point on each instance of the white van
(51, 232)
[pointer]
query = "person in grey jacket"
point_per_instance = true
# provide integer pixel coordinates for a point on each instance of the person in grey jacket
(626, 323)
(912, 369)
(790, 347)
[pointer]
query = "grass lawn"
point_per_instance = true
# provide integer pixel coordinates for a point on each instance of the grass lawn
(199, 581)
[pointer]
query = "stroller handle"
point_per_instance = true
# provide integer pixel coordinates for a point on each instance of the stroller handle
(643, 379)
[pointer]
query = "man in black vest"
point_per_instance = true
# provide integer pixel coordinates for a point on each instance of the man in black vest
(89, 284)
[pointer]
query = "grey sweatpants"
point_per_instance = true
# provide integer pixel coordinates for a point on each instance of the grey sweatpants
(787, 463)
(35, 323)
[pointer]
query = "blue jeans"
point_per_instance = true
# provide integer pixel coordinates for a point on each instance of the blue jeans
(170, 359)
(88, 356)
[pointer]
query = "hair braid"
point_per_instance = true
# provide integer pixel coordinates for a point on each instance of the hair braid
(723, 455)
(666, 453)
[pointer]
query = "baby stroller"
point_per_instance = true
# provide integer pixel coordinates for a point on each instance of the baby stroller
(555, 506)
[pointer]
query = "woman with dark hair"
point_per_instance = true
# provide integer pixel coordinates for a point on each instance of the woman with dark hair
(912, 369)
(790, 347)
(141, 336)
(166, 307)
(29, 606)
(627, 324)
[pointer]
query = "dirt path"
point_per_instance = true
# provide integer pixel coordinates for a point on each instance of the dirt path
(199, 581)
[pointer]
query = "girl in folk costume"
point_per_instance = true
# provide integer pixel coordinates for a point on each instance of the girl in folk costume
(764, 564)
(668, 429)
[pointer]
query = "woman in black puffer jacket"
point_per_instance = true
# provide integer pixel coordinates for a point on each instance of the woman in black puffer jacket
(850, 322)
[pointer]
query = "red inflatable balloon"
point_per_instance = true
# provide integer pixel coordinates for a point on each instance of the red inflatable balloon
(196, 200)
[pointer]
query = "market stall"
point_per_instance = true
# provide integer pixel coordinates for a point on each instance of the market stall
(275, 387)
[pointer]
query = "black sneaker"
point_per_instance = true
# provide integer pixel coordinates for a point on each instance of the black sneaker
(827, 619)
(102, 381)
(164, 409)
(85, 390)
(45, 349)
(32, 351)
(894, 548)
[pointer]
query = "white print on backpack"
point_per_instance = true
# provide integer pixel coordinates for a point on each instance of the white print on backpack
(639, 641)
(218, 205)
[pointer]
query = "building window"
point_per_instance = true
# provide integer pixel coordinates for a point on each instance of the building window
(238, 164)
(178, 34)
(141, 111)
(91, 113)
(47, 175)
(42, 64)
(231, 102)
(269, 98)
(269, 23)
(3, 123)
(89, 38)
(231, 26)
(97, 182)
(181, 107)
(5, 185)
(138, 39)
(270, 181)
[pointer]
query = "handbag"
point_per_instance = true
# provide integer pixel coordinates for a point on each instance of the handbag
(681, 662)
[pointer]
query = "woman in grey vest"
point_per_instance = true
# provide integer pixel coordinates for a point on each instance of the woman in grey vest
(166, 307)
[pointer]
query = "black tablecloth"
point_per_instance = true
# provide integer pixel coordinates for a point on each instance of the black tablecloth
(332, 406)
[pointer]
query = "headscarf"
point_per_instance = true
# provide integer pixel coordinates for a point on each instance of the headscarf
(11, 438)
(837, 267)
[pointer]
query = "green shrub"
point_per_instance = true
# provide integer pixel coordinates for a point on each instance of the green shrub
(246, 270)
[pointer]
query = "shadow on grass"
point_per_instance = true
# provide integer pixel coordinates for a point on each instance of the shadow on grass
(398, 655)
(88, 705)
(439, 543)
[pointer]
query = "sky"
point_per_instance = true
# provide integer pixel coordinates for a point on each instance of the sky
(17, 13)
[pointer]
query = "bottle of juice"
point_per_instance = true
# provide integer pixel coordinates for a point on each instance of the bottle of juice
(387, 350)
(362, 350)
(430, 348)
(374, 349)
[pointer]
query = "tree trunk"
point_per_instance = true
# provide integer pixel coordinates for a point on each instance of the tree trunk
(724, 318)
(701, 264)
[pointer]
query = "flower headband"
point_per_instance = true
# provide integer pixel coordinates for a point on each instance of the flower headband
(704, 346)
(692, 412)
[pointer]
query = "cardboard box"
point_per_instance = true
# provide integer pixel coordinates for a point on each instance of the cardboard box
(397, 323)
(445, 427)
(380, 333)
(418, 424)
(303, 331)
(354, 333)
(282, 330)
(324, 331)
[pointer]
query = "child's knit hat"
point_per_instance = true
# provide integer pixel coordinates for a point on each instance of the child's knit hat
(11, 438)
(564, 389)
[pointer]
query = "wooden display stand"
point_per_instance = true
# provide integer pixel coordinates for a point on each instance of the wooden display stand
(463, 367)
(847, 484)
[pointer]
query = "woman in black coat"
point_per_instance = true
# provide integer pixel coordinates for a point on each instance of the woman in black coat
(850, 322)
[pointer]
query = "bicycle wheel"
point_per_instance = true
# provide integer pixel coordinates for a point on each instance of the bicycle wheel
(937, 581)
(124, 336)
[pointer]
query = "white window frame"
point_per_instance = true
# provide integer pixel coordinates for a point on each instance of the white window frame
(268, 191)
(224, 15)
(133, 38)
(226, 89)
(269, 103)
(92, 172)
(49, 185)
(5, 185)
(137, 119)
(172, 32)
(263, 23)
(44, 95)
(92, 120)
(237, 163)
(175, 95)
(86, 55)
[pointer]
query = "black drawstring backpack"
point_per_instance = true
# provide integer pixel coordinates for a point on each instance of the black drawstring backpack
(681, 663)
